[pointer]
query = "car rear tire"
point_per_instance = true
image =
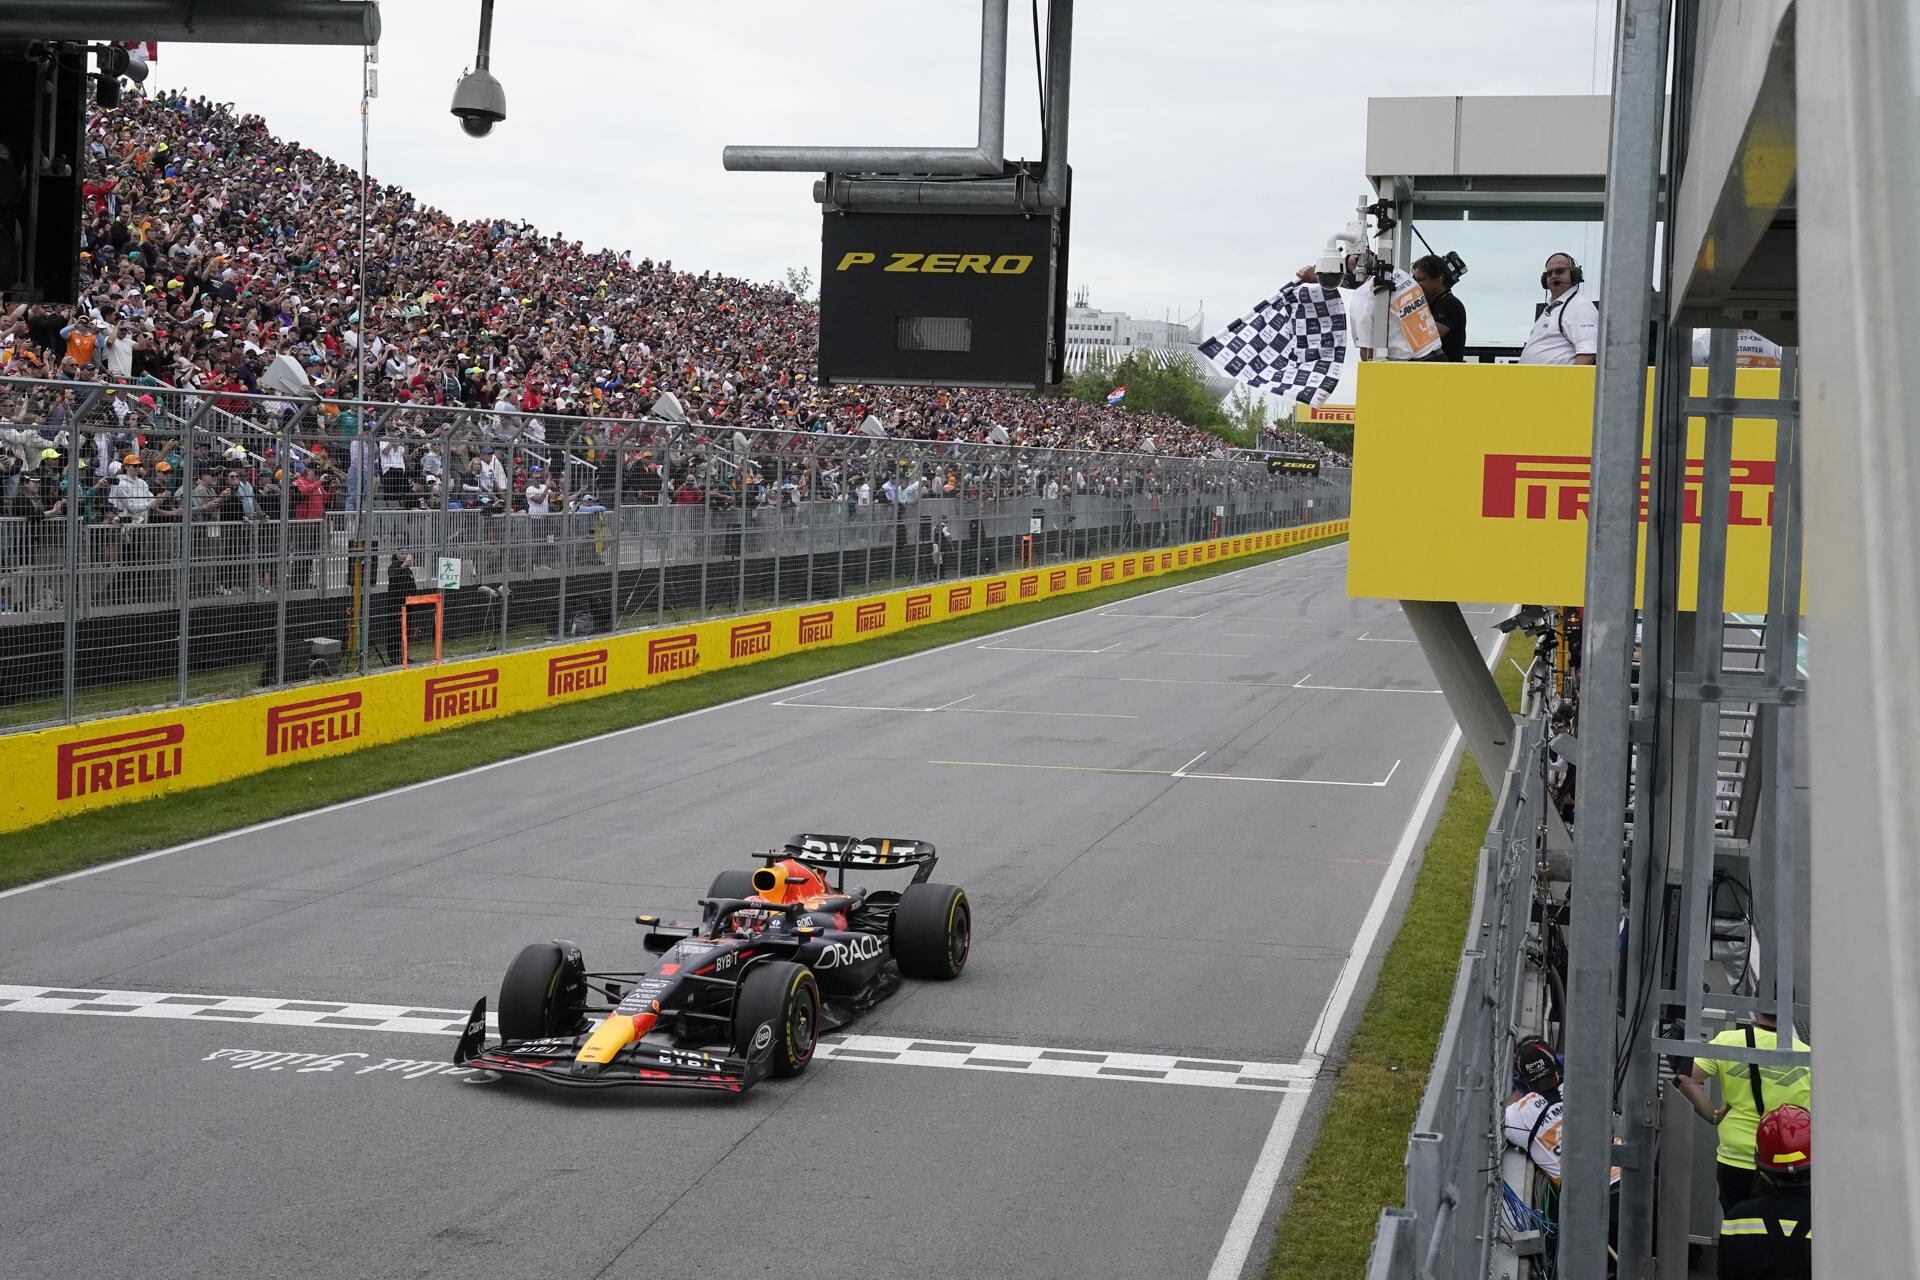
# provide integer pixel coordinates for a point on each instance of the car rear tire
(540, 998)
(731, 884)
(932, 931)
(783, 997)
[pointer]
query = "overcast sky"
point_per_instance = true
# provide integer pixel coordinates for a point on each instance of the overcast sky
(1213, 148)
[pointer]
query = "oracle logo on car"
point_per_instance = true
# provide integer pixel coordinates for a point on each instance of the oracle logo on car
(1057, 580)
(870, 617)
(575, 672)
(299, 726)
(815, 627)
(750, 638)
(920, 607)
(673, 653)
(466, 694)
(119, 760)
(1030, 586)
(959, 599)
(997, 592)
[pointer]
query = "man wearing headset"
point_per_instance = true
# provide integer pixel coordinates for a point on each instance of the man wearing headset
(1568, 330)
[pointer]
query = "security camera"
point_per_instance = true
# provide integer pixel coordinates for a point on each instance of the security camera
(480, 103)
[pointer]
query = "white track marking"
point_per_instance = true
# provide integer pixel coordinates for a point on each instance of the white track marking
(1007, 648)
(1179, 774)
(1231, 1261)
(957, 710)
(972, 1055)
(1160, 617)
(786, 690)
(1382, 639)
(1301, 683)
(956, 702)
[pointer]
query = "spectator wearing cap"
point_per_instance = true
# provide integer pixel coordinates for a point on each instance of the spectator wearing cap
(132, 496)
(490, 476)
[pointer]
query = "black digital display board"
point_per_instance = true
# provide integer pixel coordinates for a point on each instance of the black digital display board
(947, 299)
(1292, 464)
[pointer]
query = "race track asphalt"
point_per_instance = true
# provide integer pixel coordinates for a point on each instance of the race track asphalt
(1171, 814)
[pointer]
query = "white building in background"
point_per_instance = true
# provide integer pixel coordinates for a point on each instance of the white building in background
(1115, 335)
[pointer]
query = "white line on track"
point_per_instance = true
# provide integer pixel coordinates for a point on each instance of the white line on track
(1181, 773)
(1231, 1261)
(791, 690)
(972, 1055)
(1161, 617)
(1382, 639)
(951, 706)
(1008, 648)
(1301, 683)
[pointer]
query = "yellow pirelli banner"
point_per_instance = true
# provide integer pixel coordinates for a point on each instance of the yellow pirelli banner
(1471, 482)
(57, 772)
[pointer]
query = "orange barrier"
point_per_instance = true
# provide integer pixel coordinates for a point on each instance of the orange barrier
(439, 618)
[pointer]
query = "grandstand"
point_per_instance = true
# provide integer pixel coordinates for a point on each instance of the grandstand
(213, 248)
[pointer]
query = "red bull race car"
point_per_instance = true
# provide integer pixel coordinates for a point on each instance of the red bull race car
(778, 957)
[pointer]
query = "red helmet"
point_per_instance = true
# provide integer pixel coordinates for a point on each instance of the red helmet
(1785, 1140)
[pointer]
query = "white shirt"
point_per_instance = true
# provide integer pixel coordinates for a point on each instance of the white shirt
(492, 475)
(1570, 326)
(1534, 1125)
(393, 455)
(131, 497)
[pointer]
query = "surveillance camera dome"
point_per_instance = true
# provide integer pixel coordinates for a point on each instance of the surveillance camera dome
(480, 103)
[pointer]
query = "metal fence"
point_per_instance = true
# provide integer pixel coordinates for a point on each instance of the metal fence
(1458, 1221)
(160, 546)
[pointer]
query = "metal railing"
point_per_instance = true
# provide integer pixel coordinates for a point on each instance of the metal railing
(1455, 1221)
(160, 546)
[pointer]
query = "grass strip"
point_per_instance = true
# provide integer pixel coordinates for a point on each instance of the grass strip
(103, 835)
(1357, 1165)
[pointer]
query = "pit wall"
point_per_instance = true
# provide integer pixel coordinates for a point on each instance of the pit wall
(59, 772)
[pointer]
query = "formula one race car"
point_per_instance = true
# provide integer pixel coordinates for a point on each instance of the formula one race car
(778, 957)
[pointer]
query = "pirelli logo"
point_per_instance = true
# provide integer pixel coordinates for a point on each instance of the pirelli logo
(1166, 559)
(1057, 580)
(749, 639)
(1183, 555)
(1541, 486)
(119, 761)
(1128, 567)
(1213, 551)
(1030, 586)
(815, 627)
(997, 592)
(1239, 545)
(1083, 576)
(469, 693)
(301, 726)
(920, 607)
(673, 653)
(870, 617)
(576, 672)
(959, 599)
(1106, 571)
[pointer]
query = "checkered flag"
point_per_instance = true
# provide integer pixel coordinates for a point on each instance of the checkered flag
(1293, 344)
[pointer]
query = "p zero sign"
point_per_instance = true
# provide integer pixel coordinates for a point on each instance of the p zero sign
(951, 299)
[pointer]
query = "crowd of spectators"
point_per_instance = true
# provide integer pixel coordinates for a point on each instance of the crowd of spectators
(212, 249)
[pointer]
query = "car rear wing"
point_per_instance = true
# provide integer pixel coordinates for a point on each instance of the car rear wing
(862, 851)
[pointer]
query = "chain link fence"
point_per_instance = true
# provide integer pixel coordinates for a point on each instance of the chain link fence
(160, 546)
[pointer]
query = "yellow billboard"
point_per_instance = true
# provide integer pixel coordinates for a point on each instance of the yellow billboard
(58, 772)
(1471, 482)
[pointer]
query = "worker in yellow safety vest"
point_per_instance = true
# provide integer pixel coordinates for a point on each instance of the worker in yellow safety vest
(1749, 1092)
